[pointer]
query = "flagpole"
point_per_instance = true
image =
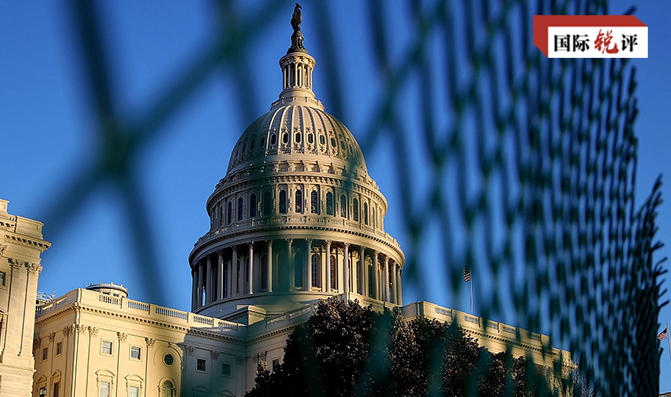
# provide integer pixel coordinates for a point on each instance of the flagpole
(471, 293)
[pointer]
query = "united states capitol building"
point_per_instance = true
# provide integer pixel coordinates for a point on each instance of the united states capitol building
(297, 218)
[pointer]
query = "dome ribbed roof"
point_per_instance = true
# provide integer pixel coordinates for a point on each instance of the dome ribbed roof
(297, 129)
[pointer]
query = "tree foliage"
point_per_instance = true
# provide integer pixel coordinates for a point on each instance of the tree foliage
(348, 350)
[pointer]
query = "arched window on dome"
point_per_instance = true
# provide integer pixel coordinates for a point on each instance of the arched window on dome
(355, 210)
(252, 205)
(314, 202)
(230, 212)
(316, 274)
(365, 213)
(299, 202)
(168, 389)
(273, 139)
(285, 138)
(334, 273)
(264, 272)
(343, 206)
(297, 137)
(240, 209)
(329, 203)
(298, 270)
(283, 202)
(267, 204)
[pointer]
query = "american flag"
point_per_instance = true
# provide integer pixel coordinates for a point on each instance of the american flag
(662, 335)
(467, 274)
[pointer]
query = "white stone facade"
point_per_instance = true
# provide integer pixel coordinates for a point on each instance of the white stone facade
(20, 249)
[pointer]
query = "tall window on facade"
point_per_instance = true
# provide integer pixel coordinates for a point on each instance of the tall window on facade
(343, 206)
(314, 202)
(230, 213)
(240, 208)
(226, 280)
(359, 269)
(283, 202)
(168, 389)
(57, 389)
(355, 210)
(334, 272)
(299, 202)
(370, 281)
(329, 203)
(237, 281)
(252, 206)
(365, 213)
(264, 271)
(298, 270)
(104, 389)
(267, 204)
(316, 276)
(133, 391)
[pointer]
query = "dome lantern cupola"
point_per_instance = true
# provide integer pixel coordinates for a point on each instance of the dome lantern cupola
(297, 65)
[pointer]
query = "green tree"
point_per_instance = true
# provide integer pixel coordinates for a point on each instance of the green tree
(348, 350)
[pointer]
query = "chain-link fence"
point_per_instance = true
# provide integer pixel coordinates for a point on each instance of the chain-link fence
(526, 165)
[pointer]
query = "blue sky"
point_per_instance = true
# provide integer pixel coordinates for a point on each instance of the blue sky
(48, 130)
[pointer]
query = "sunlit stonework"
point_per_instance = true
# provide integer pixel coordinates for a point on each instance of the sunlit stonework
(296, 215)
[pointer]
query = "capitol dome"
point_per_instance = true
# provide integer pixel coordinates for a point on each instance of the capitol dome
(296, 218)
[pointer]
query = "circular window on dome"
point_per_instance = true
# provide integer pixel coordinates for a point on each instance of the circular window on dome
(168, 359)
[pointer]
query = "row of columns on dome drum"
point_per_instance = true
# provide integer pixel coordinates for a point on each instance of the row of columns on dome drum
(228, 273)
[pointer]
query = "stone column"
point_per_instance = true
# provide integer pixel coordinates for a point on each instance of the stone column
(376, 279)
(364, 272)
(234, 273)
(385, 282)
(208, 281)
(308, 266)
(345, 266)
(395, 284)
(269, 273)
(290, 262)
(251, 268)
(354, 273)
(229, 277)
(201, 274)
(328, 265)
(400, 283)
(220, 275)
(194, 287)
